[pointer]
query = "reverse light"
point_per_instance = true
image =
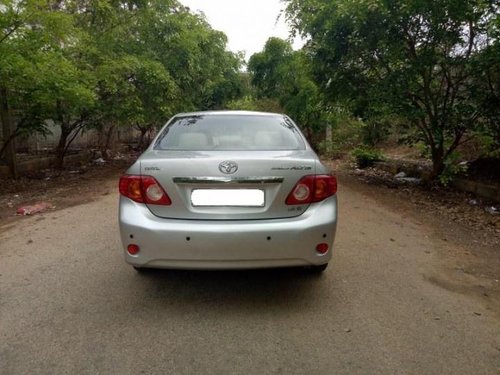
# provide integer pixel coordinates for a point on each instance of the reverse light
(143, 189)
(301, 192)
(312, 188)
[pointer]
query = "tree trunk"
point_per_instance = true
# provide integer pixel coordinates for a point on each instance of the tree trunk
(437, 162)
(108, 136)
(9, 147)
(329, 138)
(148, 138)
(61, 147)
(140, 146)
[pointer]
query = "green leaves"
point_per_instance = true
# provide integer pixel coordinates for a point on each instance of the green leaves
(270, 67)
(285, 75)
(93, 63)
(415, 59)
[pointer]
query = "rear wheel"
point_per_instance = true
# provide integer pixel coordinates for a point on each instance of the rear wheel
(318, 269)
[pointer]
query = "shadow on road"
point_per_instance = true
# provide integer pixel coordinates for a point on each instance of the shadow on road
(293, 288)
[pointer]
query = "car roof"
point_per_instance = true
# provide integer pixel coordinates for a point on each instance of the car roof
(228, 113)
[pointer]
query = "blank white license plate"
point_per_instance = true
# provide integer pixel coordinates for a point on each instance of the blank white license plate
(228, 197)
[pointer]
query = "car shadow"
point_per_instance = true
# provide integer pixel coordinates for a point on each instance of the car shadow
(251, 289)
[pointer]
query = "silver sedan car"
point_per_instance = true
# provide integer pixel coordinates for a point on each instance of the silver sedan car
(228, 190)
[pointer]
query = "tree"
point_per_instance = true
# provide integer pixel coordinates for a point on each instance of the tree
(486, 70)
(103, 64)
(285, 75)
(302, 99)
(269, 67)
(26, 29)
(413, 58)
(66, 96)
(194, 54)
(133, 88)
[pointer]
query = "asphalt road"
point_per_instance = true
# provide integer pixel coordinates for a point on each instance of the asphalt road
(69, 304)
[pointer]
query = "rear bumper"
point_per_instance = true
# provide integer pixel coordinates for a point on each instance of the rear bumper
(203, 244)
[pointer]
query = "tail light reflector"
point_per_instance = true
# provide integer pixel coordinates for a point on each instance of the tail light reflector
(322, 248)
(143, 189)
(133, 249)
(312, 188)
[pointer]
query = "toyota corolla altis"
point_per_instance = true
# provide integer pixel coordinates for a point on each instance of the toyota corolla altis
(228, 190)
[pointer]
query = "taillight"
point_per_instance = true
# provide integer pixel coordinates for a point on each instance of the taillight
(313, 188)
(143, 189)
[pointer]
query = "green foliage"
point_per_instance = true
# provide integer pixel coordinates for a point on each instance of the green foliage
(486, 68)
(346, 134)
(366, 156)
(34, 67)
(452, 168)
(85, 64)
(433, 64)
(423, 150)
(270, 67)
(281, 74)
(491, 145)
(379, 123)
(249, 103)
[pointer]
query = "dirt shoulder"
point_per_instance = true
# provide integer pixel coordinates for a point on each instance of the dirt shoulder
(446, 208)
(61, 189)
(467, 236)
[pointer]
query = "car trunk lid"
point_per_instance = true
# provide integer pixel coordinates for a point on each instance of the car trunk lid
(225, 185)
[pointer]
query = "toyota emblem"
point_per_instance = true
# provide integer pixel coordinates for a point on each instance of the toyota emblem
(228, 167)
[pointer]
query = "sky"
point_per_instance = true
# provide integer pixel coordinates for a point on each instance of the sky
(247, 23)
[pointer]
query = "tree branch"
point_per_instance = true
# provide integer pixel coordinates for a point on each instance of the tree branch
(8, 140)
(456, 142)
(472, 36)
(76, 128)
(11, 31)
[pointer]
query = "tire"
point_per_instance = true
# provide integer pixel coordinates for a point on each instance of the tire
(318, 269)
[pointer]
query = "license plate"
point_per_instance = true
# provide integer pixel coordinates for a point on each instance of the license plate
(227, 198)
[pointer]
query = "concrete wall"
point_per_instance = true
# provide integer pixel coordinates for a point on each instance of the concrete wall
(86, 139)
(38, 164)
(480, 189)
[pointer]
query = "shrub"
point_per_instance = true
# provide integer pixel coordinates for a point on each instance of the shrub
(452, 168)
(366, 156)
(346, 134)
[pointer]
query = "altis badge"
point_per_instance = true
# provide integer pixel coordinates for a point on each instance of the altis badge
(293, 168)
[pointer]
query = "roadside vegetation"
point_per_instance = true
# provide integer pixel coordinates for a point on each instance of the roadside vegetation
(423, 73)
(107, 64)
(420, 73)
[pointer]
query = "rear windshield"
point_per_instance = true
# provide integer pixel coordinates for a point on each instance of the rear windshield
(230, 132)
